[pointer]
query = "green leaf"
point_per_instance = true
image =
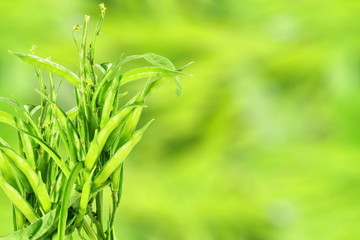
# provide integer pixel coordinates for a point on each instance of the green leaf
(42, 227)
(35, 109)
(72, 113)
(147, 72)
(50, 66)
(24, 112)
(185, 66)
(10, 102)
(159, 61)
(7, 118)
(152, 58)
(37, 230)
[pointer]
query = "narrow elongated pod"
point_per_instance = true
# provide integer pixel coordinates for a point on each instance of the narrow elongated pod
(99, 141)
(66, 200)
(35, 181)
(13, 174)
(126, 133)
(7, 170)
(109, 102)
(18, 200)
(113, 163)
(84, 199)
(27, 145)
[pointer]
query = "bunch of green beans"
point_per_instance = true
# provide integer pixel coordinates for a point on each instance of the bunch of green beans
(55, 178)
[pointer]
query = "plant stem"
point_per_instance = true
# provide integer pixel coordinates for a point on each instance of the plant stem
(89, 231)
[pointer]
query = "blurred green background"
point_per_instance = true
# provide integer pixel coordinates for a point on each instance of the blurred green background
(264, 142)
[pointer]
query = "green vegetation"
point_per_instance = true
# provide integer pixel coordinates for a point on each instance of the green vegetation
(58, 177)
(263, 143)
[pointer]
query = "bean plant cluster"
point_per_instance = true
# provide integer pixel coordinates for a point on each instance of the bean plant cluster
(65, 160)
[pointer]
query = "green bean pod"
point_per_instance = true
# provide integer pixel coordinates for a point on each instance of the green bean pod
(99, 141)
(7, 170)
(18, 176)
(109, 102)
(103, 93)
(115, 136)
(36, 183)
(27, 145)
(65, 199)
(57, 190)
(126, 133)
(129, 127)
(111, 165)
(18, 200)
(84, 199)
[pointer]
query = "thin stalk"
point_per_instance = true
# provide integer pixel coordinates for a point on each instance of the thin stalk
(98, 225)
(99, 211)
(89, 231)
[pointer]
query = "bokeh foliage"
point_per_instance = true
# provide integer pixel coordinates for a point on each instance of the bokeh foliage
(263, 144)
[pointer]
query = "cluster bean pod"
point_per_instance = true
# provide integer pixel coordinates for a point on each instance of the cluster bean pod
(35, 181)
(16, 198)
(99, 141)
(113, 163)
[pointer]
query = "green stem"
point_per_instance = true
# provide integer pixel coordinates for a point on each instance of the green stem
(89, 231)
(99, 210)
(98, 225)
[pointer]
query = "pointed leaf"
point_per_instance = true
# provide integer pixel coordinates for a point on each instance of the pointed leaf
(147, 72)
(7, 118)
(50, 66)
(159, 61)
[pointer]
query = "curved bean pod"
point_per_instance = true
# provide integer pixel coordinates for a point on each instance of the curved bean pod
(66, 200)
(27, 145)
(36, 183)
(109, 102)
(18, 200)
(84, 199)
(111, 165)
(99, 141)
(7, 170)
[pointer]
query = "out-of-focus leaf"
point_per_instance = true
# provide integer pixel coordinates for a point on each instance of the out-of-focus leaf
(178, 86)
